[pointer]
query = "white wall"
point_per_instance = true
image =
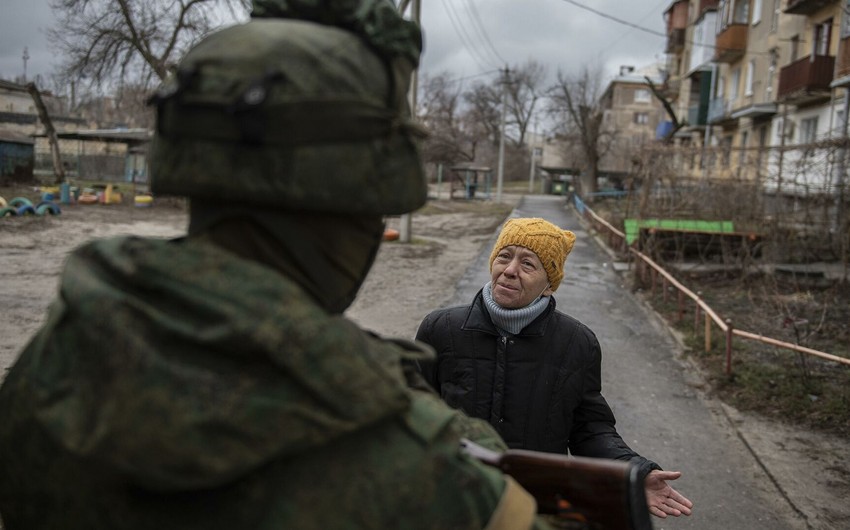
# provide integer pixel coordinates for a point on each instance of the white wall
(805, 169)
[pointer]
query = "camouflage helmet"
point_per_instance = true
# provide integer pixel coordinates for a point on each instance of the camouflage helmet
(289, 114)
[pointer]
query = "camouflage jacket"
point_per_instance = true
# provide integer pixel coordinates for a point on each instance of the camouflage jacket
(175, 385)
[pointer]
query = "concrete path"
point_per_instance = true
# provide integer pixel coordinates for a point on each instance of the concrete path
(654, 393)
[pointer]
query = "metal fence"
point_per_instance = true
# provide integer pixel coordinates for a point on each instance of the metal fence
(645, 266)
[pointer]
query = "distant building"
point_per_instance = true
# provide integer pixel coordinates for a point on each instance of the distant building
(19, 119)
(16, 157)
(633, 114)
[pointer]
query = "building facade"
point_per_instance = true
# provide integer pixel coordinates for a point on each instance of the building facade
(759, 83)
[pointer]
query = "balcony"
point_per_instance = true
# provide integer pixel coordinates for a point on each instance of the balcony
(697, 115)
(806, 7)
(705, 5)
(731, 43)
(842, 68)
(718, 110)
(675, 41)
(806, 80)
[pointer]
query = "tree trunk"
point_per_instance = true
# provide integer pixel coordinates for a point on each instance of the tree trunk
(58, 170)
(590, 177)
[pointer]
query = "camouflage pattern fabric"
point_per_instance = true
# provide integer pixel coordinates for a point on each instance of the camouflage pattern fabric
(378, 22)
(289, 114)
(175, 385)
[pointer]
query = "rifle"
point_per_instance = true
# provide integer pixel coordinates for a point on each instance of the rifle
(588, 492)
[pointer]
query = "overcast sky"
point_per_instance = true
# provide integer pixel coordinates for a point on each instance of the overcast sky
(462, 37)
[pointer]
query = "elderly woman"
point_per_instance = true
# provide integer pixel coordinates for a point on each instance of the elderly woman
(533, 372)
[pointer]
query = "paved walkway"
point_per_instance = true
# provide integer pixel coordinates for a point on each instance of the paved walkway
(655, 394)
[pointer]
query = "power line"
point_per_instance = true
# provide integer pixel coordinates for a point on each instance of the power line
(654, 32)
(464, 36)
(615, 19)
(476, 19)
(653, 11)
(453, 80)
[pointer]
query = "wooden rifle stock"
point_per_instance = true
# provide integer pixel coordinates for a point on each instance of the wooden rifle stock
(601, 494)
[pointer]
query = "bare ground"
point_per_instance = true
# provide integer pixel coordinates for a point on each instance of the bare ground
(406, 282)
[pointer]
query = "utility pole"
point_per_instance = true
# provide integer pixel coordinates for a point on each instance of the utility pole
(501, 172)
(405, 221)
(533, 168)
(25, 58)
(534, 151)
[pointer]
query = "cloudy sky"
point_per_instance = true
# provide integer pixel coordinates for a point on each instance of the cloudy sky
(462, 37)
(468, 37)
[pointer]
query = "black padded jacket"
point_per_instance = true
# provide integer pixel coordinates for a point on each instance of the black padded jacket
(540, 389)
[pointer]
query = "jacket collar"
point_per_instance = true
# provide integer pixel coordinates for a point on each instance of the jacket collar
(478, 319)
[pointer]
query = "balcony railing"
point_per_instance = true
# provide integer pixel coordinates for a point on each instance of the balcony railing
(697, 115)
(731, 43)
(718, 110)
(675, 41)
(807, 78)
(806, 7)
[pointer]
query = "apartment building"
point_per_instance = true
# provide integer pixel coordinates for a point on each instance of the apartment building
(630, 109)
(812, 108)
(691, 30)
(758, 80)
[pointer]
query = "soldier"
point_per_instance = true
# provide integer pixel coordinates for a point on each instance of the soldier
(211, 381)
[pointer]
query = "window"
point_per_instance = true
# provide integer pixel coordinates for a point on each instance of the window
(742, 11)
(845, 20)
(808, 130)
(760, 153)
(734, 83)
(756, 12)
(726, 150)
(642, 95)
(733, 12)
(742, 154)
(823, 33)
(641, 118)
(748, 83)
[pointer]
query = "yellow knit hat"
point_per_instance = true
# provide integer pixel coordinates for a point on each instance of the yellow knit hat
(551, 244)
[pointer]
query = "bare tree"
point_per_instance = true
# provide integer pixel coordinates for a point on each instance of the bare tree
(524, 92)
(484, 111)
(450, 139)
(575, 106)
(668, 108)
(108, 41)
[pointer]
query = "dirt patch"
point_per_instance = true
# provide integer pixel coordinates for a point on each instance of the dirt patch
(33, 250)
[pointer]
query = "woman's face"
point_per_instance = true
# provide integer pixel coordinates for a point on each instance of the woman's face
(518, 277)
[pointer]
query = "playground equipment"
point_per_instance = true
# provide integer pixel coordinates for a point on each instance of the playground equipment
(20, 206)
